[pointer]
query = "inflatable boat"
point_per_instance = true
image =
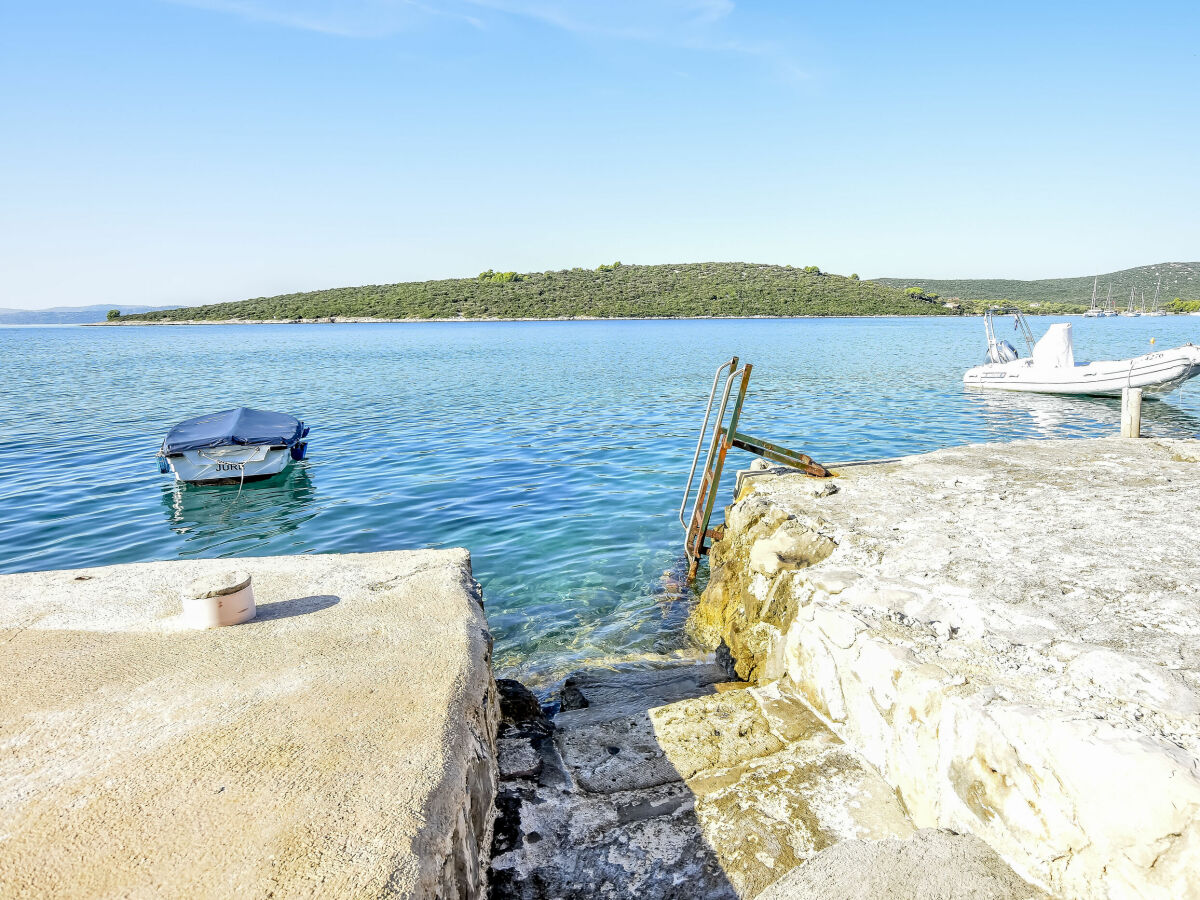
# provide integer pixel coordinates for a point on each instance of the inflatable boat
(1050, 367)
(233, 446)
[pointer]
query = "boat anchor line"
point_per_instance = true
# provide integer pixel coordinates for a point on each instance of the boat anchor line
(230, 465)
(726, 436)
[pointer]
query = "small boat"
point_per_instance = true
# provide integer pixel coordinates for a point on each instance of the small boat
(1050, 367)
(233, 446)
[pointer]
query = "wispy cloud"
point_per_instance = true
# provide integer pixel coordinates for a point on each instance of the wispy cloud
(702, 25)
(345, 18)
(635, 19)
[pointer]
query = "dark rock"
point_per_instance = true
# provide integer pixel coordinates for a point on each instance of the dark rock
(725, 661)
(507, 832)
(571, 696)
(518, 705)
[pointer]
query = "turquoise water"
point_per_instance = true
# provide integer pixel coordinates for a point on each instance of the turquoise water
(555, 451)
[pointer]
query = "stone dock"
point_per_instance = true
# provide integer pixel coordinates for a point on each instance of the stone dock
(969, 675)
(340, 744)
(1008, 634)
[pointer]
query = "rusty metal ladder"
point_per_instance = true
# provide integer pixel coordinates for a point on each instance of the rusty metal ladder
(726, 436)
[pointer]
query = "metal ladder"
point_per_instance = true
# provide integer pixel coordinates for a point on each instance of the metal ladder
(725, 435)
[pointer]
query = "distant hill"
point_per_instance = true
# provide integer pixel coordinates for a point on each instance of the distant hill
(69, 315)
(1179, 279)
(610, 291)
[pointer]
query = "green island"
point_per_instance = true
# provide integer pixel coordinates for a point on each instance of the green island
(614, 291)
(1180, 290)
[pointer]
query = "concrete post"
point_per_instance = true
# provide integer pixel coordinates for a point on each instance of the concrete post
(1131, 412)
(225, 598)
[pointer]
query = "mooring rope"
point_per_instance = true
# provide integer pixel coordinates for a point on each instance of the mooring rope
(241, 467)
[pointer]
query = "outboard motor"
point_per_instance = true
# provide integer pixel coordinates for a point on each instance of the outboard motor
(300, 448)
(1003, 352)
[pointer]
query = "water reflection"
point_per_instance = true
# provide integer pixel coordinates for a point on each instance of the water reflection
(236, 518)
(1006, 414)
(1164, 419)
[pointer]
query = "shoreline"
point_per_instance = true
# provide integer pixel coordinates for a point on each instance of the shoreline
(364, 320)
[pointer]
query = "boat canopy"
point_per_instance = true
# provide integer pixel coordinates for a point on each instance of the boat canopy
(1055, 349)
(240, 426)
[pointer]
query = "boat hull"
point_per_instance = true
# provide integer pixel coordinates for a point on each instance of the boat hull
(229, 464)
(1155, 373)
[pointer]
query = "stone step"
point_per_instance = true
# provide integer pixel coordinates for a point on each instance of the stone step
(710, 796)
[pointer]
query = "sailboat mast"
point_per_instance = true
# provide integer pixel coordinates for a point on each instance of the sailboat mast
(1095, 281)
(1157, 285)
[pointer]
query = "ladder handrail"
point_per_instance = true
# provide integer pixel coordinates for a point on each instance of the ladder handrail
(726, 437)
(731, 365)
(697, 528)
(714, 447)
(717, 429)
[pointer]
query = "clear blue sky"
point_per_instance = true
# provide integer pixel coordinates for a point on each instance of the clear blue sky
(188, 151)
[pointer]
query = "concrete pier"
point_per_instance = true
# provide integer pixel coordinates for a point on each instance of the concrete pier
(340, 744)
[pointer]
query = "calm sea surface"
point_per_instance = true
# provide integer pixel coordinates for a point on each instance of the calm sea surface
(554, 451)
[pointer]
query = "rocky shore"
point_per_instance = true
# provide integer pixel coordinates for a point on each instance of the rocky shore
(376, 320)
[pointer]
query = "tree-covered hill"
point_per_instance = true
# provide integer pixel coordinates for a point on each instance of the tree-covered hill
(610, 291)
(1179, 279)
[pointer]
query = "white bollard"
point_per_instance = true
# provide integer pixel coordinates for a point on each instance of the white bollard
(1131, 412)
(222, 599)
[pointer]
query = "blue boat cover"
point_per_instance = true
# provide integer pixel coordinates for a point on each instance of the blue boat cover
(233, 426)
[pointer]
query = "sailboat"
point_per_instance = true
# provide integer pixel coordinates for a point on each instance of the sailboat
(1155, 309)
(1110, 308)
(1094, 311)
(1131, 310)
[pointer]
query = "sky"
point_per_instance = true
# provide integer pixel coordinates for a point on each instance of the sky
(195, 151)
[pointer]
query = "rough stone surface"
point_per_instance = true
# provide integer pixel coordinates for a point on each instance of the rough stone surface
(1009, 633)
(340, 744)
(219, 584)
(931, 865)
(666, 786)
(555, 839)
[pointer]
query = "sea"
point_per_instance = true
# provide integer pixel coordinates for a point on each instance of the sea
(556, 452)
